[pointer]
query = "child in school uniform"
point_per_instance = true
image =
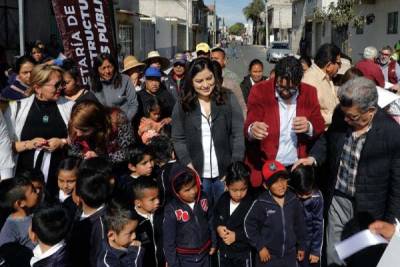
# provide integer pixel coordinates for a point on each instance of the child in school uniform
(50, 226)
(66, 181)
(91, 192)
(18, 196)
(188, 235)
(120, 247)
(229, 213)
(275, 223)
(302, 181)
(140, 164)
(150, 221)
(162, 149)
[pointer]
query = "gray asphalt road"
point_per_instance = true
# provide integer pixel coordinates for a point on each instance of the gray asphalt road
(240, 57)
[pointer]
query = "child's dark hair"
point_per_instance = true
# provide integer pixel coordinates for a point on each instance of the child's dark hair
(237, 171)
(141, 184)
(137, 154)
(117, 216)
(185, 178)
(51, 224)
(152, 104)
(12, 190)
(93, 187)
(302, 179)
(69, 66)
(69, 164)
(97, 164)
(161, 148)
(33, 175)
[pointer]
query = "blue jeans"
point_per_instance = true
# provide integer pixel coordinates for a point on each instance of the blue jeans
(214, 188)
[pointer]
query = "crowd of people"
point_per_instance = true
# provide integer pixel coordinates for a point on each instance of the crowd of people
(174, 163)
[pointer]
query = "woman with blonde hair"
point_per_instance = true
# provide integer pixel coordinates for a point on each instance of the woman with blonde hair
(38, 124)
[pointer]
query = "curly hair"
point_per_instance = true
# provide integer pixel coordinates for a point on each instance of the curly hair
(290, 69)
(189, 97)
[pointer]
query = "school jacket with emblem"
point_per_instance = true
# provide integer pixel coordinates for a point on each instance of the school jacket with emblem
(281, 230)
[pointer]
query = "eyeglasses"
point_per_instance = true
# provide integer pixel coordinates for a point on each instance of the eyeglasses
(352, 117)
(58, 85)
(385, 54)
(291, 90)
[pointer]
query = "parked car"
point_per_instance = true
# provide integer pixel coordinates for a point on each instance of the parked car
(277, 51)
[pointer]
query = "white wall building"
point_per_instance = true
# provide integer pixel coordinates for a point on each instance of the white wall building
(383, 30)
(279, 19)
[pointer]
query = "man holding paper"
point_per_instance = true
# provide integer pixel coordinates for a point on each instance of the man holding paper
(362, 151)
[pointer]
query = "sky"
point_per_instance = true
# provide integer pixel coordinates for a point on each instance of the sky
(231, 10)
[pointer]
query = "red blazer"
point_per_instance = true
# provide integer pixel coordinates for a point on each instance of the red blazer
(263, 106)
(371, 71)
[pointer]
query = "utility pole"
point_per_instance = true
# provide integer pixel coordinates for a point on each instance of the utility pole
(187, 24)
(215, 24)
(266, 25)
(21, 27)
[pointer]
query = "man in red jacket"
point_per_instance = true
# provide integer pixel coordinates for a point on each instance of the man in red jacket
(283, 118)
(369, 68)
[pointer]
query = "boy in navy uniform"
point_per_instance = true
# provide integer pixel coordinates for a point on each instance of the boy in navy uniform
(88, 231)
(149, 227)
(275, 222)
(120, 247)
(188, 233)
(50, 225)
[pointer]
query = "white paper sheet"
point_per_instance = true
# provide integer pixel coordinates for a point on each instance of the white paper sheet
(358, 242)
(391, 257)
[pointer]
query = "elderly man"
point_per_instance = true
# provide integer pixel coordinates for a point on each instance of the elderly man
(283, 118)
(369, 68)
(362, 151)
(390, 68)
(327, 62)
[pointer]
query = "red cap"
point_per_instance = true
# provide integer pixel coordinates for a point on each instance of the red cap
(271, 168)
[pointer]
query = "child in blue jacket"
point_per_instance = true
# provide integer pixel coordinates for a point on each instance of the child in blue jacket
(188, 234)
(302, 181)
(275, 223)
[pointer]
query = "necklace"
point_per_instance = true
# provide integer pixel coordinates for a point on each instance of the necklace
(45, 117)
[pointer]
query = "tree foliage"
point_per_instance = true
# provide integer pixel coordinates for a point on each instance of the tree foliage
(237, 29)
(253, 12)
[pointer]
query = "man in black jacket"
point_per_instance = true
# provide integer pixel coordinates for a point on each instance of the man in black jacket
(362, 151)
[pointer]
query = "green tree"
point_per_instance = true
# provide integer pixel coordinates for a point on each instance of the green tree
(253, 12)
(237, 29)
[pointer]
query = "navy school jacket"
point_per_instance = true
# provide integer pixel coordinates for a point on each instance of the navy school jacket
(111, 257)
(59, 259)
(86, 239)
(187, 231)
(150, 236)
(280, 229)
(234, 222)
(314, 218)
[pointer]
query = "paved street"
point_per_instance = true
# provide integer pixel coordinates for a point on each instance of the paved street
(245, 54)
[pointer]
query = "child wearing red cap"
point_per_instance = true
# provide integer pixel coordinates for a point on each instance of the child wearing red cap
(275, 223)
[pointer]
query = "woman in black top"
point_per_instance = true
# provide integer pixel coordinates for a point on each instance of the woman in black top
(255, 75)
(38, 124)
(207, 127)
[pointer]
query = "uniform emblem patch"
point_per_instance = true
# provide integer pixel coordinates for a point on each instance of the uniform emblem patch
(182, 215)
(204, 204)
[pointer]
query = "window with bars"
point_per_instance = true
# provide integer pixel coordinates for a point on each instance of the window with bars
(125, 39)
(393, 22)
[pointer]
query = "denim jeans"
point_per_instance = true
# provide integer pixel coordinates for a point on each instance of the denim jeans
(214, 188)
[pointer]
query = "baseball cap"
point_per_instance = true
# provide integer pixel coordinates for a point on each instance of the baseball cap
(202, 47)
(272, 170)
(179, 58)
(370, 52)
(152, 72)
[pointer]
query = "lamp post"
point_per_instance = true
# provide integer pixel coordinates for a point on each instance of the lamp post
(266, 25)
(21, 27)
(187, 24)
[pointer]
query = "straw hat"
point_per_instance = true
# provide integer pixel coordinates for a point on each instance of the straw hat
(131, 62)
(155, 56)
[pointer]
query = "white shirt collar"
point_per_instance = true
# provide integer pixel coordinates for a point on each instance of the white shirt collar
(84, 216)
(62, 196)
(252, 82)
(144, 215)
(38, 255)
